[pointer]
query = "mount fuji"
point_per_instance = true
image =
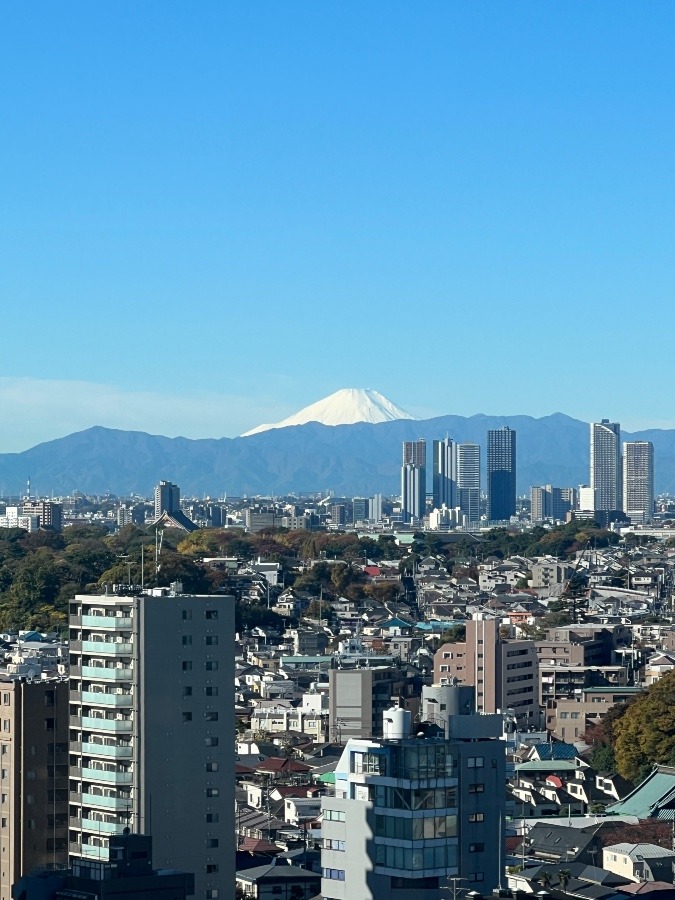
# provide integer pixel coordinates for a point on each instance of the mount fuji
(344, 407)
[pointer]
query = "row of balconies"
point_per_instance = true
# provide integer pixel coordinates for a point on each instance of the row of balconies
(114, 776)
(96, 723)
(113, 622)
(102, 673)
(100, 800)
(103, 648)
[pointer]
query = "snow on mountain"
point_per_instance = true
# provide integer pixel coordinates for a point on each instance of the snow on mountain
(344, 407)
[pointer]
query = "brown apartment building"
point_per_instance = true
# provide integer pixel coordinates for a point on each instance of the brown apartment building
(33, 778)
(505, 673)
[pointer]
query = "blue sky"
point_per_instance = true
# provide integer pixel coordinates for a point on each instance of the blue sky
(214, 214)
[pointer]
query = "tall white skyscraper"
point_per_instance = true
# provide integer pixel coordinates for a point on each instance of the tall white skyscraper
(606, 465)
(468, 480)
(444, 469)
(638, 480)
(414, 480)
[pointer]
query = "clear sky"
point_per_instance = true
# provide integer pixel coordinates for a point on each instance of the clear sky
(215, 213)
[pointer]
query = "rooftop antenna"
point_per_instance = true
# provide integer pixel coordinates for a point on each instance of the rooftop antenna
(28, 488)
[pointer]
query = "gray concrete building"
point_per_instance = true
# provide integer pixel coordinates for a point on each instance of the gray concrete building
(152, 730)
(358, 698)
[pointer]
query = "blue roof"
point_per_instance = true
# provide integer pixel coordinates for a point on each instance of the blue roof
(555, 751)
(396, 623)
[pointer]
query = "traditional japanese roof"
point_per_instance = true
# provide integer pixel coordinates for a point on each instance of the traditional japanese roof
(653, 799)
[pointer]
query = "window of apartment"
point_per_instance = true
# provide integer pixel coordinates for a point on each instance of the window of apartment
(211, 868)
(187, 691)
(211, 640)
(477, 788)
(211, 691)
(6, 724)
(211, 767)
(330, 844)
(476, 817)
(187, 640)
(211, 716)
(334, 874)
(475, 876)
(211, 665)
(333, 815)
(5, 699)
(187, 665)
(212, 817)
(212, 894)
(476, 848)
(3, 823)
(211, 614)
(187, 716)
(475, 762)
(211, 741)
(4, 749)
(187, 614)
(212, 842)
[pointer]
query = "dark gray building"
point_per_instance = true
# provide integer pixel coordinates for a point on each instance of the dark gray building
(501, 474)
(152, 729)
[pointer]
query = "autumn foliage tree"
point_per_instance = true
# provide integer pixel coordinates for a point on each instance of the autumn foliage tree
(645, 734)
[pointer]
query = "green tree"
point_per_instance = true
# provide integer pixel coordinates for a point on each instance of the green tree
(645, 734)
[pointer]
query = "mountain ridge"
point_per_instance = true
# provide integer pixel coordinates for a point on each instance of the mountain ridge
(357, 459)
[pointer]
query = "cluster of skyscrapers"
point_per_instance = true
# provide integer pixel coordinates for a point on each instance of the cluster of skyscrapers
(456, 477)
(621, 483)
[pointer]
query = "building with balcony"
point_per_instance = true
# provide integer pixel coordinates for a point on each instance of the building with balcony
(152, 727)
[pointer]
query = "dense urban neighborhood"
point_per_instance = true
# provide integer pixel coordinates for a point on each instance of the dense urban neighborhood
(345, 696)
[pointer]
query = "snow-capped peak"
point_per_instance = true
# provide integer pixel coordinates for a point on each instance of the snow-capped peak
(344, 407)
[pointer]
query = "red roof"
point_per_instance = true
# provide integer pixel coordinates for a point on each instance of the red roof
(554, 780)
(242, 770)
(373, 571)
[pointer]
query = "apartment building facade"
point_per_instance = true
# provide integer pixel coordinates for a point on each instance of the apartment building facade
(151, 729)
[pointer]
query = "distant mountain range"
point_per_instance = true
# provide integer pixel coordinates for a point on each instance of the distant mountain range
(356, 459)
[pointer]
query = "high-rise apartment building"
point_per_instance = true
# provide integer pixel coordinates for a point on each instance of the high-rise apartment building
(606, 465)
(444, 469)
(167, 498)
(638, 480)
(549, 502)
(409, 812)
(505, 673)
(468, 481)
(33, 777)
(375, 507)
(152, 729)
(414, 480)
(501, 474)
